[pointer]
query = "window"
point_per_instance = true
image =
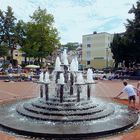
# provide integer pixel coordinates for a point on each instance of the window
(88, 62)
(88, 45)
(95, 58)
(16, 54)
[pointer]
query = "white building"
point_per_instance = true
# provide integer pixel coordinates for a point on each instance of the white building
(96, 51)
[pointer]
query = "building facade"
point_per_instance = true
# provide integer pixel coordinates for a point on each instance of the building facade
(96, 51)
(18, 55)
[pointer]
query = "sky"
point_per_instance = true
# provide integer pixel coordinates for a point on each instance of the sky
(74, 18)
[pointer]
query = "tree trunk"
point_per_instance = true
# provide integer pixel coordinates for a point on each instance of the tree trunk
(11, 55)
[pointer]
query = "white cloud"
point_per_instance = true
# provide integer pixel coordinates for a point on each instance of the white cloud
(74, 18)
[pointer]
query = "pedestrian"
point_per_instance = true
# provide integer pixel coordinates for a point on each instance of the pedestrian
(10, 72)
(138, 92)
(130, 90)
(19, 69)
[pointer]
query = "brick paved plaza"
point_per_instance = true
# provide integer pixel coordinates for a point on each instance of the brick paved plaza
(10, 91)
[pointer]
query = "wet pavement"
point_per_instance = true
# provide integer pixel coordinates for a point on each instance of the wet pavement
(10, 91)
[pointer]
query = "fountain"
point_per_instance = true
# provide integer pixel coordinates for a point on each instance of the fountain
(57, 64)
(47, 79)
(64, 109)
(90, 76)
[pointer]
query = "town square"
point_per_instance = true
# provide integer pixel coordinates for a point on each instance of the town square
(69, 70)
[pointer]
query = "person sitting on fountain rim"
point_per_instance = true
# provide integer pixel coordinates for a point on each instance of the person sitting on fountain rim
(130, 90)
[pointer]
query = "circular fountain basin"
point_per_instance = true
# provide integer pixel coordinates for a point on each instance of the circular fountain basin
(70, 119)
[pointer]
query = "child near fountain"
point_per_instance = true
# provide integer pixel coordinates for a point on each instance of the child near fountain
(130, 90)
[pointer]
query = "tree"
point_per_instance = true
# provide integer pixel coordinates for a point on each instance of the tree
(1, 27)
(20, 32)
(3, 50)
(116, 49)
(7, 26)
(126, 47)
(132, 34)
(41, 37)
(71, 46)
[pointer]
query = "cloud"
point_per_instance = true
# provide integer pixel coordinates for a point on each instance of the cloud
(74, 18)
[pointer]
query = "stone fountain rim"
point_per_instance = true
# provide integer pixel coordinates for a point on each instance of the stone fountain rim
(87, 131)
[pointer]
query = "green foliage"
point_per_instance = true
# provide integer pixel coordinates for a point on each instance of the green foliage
(132, 35)
(42, 17)
(116, 48)
(126, 47)
(71, 46)
(20, 32)
(41, 37)
(7, 27)
(3, 50)
(38, 38)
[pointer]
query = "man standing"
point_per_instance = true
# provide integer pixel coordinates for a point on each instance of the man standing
(130, 90)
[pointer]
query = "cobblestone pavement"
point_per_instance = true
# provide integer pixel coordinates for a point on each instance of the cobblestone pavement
(10, 91)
